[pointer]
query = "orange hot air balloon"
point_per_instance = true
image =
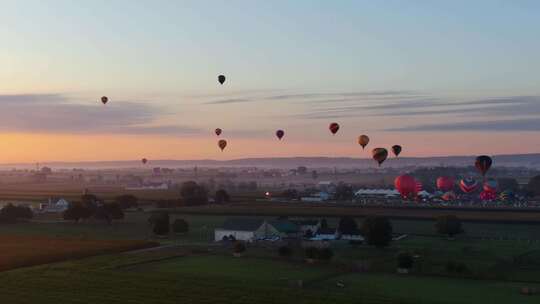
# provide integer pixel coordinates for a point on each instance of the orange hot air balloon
(280, 134)
(144, 161)
(104, 99)
(218, 131)
(396, 149)
(221, 79)
(363, 140)
(222, 144)
(379, 155)
(334, 128)
(483, 163)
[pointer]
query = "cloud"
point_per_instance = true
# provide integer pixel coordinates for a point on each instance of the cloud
(507, 125)
(56, 113)
(320, 97)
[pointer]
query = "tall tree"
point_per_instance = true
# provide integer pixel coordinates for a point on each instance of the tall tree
(193, 194)
(377, 231)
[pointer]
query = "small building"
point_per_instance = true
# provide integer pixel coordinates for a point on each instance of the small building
(248, 229)
(54, 205)
(387, 193)
(305, 225)
(317, 197)
(354, 236)
(325, 234)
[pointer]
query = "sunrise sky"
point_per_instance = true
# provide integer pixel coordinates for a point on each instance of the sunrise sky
(439, 78)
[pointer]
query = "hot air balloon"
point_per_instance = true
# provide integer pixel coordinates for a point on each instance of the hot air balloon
(104, 99)
(507, 195)
(363, 140)
(490, 185)
(445, 183)
(418, 186)
(221, 79)
(280, 134)
(406, 185)
(468, 185)
(483, 163)
(218, 131)
(488, 196)
(396, 149)
(222, 144)
(144, 161)
(334, 127)
(449, 196)
(379, 155)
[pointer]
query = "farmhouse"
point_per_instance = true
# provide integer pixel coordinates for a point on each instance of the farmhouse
(54, 205)
(247, 229)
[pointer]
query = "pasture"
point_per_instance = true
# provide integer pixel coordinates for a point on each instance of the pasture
(22, 251)
(224, 279)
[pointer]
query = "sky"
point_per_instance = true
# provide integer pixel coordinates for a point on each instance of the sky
(437, 77)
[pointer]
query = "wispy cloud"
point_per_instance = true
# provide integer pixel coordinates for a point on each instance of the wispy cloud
(56, 113)
(507, 125)
(317, 97)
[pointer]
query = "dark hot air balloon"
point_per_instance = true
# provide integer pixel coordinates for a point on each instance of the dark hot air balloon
(396, 149)
(483, 163)
(222, 144)
(221, 79)
(218, 131)
(445, 183)
(379, 155)
(468, 185)
(280, 134)
(144, 161)
(334, 127)
(363, 140)
(104, 99)
(406, 186)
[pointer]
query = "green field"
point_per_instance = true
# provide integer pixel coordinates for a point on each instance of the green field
(224, 279)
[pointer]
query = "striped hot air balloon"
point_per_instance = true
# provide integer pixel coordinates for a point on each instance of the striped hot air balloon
(468, 185)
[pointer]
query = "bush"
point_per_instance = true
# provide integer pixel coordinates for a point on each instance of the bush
(222, 197)
(180, 226)
(449, 225)
(239, 247)
(311, 252)
(77, 211)
(127, 201)
(377, 230)
(285, 251)
(160, 223)
(325, 254)
(405, 260)
(11, 213)
(193, 194)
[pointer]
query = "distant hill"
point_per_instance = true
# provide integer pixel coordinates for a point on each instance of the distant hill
(517, 160)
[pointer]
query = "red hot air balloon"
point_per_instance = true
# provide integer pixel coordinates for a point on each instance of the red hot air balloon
(379, 155)
(396, 149)
(144, 161)
(483, 163)
(468, 185)
(218, 131)
(221, 79)
(406, 185)
(104, 99)
(445, 183)
(334, 128)
(488, 195)
(449, 196)
(222, 144)
(280, 134)
(418, 187)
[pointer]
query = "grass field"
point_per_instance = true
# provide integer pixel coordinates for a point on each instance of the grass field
(224, 279)
(20, 251)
